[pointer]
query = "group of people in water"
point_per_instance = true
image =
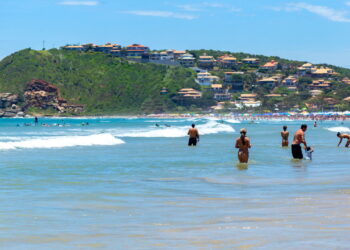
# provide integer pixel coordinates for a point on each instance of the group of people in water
(243, 142)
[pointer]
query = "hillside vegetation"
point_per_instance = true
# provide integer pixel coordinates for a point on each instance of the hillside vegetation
(105, 84)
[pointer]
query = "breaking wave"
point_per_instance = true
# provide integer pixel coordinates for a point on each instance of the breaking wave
(232, 121)
(211, 127)
(339, 129)
(62, 141)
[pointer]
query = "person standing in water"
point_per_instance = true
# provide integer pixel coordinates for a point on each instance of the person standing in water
(285, 135)
(342, 136)
(243, 144)
(36, 121)
(193, 136)
(299, 137)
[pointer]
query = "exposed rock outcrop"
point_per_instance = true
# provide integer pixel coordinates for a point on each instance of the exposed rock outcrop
(9, 105)
(44, 95)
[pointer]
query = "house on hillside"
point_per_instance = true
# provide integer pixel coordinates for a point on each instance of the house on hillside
(290, 81)
(154, 56)
(73, 47)
(248, 100)
(305, 69)
(346, 80)
(270, 66)
(178, 53)
(220, 93)
(227, 61)
(108, 48)
(136, 50)
(206, 62)
(189, 93)
(322, 72)
(320, 84)
(315, 92)
(251, 61)
(89, 46)
(267, 82)
(187, 60)
(206, 79)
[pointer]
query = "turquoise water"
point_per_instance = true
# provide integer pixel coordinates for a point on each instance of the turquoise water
(127, 184)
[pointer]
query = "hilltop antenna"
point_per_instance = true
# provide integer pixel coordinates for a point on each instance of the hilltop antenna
(43, 44)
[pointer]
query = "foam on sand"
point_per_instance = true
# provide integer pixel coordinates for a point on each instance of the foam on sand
(339, 129)
(62, 141)
(210, 127)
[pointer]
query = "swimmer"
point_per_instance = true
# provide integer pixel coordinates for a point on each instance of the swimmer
(285, 135)
(315, 124)
(299, 137)
(157, 125)
(243, 144)
(342, 136)
(193, 136)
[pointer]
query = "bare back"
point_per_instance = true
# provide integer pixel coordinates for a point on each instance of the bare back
(299, 137)
(243, 146)
(285, 135)
(193, 133)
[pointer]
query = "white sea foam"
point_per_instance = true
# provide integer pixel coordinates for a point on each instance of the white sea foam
(339, 129)
(210, 127)
(232, 121)
(62, 141)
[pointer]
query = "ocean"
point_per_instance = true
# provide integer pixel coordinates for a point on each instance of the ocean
(124, 183)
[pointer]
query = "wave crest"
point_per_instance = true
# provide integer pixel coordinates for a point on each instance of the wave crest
(63, 141)
(210, 127)
(339, 129)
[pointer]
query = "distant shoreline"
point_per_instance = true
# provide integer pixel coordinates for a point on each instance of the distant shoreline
(241, 116)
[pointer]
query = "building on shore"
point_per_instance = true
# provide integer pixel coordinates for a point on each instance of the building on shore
(206, 79)
(187, 60)
(206, 62)
(227, 62)
(251, 61)
(270, 66)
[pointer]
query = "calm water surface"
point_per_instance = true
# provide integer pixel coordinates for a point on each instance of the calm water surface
(127, 184)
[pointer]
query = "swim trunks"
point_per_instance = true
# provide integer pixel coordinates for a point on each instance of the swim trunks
(296, 151)
(192, 141)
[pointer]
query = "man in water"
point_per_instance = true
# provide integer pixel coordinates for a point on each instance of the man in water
(36, 121)
(194, 136)
(299, 137)
(342, 136)
(285, 135)
(243, 144)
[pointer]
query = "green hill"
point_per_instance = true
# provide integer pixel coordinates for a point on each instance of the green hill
(104, 84)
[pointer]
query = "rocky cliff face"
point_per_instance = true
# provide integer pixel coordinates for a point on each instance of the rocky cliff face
(9, 105)
(44, 95)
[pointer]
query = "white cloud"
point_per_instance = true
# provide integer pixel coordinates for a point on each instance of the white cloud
(206, 6)
(323, 11)
(189, 7)
(81, 3)
(347, 3)
(166, 14)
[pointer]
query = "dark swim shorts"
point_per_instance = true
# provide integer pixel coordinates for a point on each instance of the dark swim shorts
(192, 141)
(296, 151)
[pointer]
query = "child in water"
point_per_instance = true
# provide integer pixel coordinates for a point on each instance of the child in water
(308, 152)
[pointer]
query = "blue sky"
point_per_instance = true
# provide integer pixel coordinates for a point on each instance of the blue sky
(312, 30)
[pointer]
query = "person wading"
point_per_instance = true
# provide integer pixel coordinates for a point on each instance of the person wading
(243, 144)
(343, 136)
(299, 137)
(285, 135)
(193, 136)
